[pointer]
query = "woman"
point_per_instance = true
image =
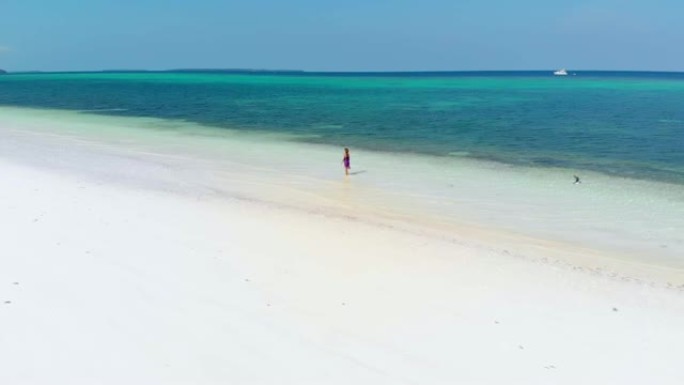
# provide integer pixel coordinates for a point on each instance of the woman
(346, 161)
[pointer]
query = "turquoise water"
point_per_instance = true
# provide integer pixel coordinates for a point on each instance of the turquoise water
(627, 124)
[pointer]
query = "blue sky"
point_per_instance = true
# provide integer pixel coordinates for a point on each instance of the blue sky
(350, 35)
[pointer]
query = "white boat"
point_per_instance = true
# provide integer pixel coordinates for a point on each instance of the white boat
(561, 72)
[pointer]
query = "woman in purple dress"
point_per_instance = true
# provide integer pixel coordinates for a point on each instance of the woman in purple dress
(346, 161)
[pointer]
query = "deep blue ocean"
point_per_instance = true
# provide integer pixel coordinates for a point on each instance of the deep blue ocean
(622, 123)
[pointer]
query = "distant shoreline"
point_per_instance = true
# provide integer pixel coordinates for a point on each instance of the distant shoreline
(351, 73)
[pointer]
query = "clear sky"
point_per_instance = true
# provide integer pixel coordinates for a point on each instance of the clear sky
(342, 35)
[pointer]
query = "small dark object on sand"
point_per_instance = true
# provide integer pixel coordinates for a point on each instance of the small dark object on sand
(577, 179)
(8, 302)
(615, 309)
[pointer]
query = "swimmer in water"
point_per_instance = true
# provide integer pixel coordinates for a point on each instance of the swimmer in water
(346, 161)
(577, 179)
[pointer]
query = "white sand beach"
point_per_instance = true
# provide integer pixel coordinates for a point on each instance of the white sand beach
(165, 258)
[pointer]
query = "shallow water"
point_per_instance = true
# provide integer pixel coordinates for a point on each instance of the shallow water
(638, 220)
(625, 124)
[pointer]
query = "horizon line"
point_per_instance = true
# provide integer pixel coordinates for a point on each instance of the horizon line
(298, 71)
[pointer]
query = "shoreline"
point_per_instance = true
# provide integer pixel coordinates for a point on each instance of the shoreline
(447, 197)
(124, 263)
